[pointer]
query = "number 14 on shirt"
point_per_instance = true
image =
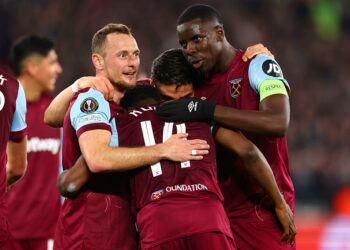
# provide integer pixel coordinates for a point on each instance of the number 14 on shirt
(148, 136)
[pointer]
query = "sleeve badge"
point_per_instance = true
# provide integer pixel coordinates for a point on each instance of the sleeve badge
(89, 105)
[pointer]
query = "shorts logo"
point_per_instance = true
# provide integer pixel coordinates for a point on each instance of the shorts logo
(89, 105)
(235, 87)
(271, 68)
(157, 194)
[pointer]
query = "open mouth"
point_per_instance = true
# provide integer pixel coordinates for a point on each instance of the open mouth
(129, 74)
(197, 63)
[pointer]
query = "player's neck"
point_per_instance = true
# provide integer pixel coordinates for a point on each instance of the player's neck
(118, 95)
(31, 89)
(227, 56)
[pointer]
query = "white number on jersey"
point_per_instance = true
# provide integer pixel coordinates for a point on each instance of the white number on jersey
(148, 136)
(2, 100)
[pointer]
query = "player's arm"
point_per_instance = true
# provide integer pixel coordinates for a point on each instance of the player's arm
(70, 181)
(100, 157)
(55, 112)
(257, 166)
(16, 148)
(16, 165)
(272, 118)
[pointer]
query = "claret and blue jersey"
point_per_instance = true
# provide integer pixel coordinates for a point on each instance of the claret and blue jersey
(240, 87)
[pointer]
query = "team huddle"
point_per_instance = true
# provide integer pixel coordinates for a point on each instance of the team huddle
(195, 157)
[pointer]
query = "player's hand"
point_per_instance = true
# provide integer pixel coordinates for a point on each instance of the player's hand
(177, 148)
(99, 83)
(256, 50)
(285, 217)
(187, 109)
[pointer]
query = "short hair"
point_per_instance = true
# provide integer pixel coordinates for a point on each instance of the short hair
(171, 67)
(26, 46)
(136, 96)
(204, 12)
(99, 38)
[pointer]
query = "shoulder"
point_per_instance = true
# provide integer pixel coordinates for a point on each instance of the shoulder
(8, 83)
(262, 68)
(7, 77)
(88, 100)
(266, 65)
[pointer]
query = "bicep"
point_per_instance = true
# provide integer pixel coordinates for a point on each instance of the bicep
(92, 142)
(276, 104)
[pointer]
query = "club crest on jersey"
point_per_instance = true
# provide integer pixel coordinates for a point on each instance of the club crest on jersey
(235, 87)
(157, 194)
(89, 105)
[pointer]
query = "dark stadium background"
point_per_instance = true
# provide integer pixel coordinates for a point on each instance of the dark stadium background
(309, 38)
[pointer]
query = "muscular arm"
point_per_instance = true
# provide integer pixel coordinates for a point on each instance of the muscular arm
(271, 119)
(100, 157)
(70, 181)
(254, 161)
(54, 114)
(258, 167)
(16, 151)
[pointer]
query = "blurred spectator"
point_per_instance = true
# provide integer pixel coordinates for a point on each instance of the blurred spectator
(34, 202)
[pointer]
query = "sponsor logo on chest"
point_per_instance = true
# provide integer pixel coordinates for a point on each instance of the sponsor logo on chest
(35, 144)
(235, 87)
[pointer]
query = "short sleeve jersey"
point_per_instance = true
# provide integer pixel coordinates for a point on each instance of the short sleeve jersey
(26, 207)
(238, 87)
(173, 200)
(100, 217)
(12, 126)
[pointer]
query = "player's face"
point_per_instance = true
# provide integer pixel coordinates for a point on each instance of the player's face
(122, 59)
(200, 44)
(47, 71)
(169, 92)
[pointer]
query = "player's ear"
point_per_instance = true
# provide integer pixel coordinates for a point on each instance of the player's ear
(97, 60)
(31, 67)
(220, 33)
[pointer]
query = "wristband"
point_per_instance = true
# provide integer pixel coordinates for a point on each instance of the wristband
(75, 87)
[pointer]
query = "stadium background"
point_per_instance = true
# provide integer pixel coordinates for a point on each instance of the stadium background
(309, 38)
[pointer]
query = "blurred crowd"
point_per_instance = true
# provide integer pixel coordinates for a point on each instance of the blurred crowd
(309, 38)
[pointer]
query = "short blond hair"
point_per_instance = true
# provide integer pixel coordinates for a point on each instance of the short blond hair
(99, 39)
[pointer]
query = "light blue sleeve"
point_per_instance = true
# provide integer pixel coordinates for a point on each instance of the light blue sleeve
(114, 138)
(262, 68)
(19, 117)
(90, 108)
